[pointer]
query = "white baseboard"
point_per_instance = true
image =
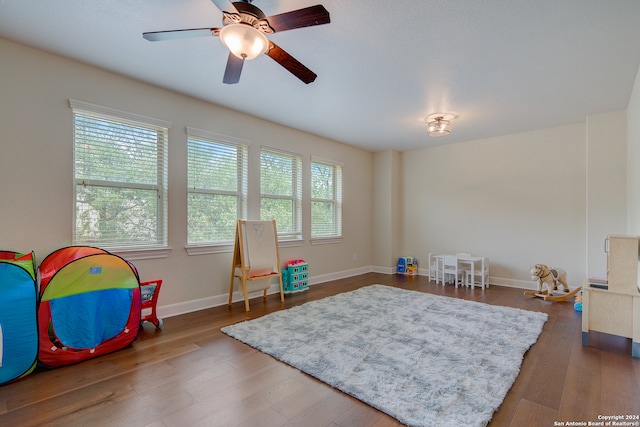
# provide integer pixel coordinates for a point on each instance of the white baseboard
(513, 283)
(177, 309)
(218, 300)
(340, 275)
(384, 270)
(499, 281)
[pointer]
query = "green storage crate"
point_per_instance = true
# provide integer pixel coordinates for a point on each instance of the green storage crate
(297, 278)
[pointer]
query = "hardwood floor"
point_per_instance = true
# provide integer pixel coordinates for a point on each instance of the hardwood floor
(190, 374)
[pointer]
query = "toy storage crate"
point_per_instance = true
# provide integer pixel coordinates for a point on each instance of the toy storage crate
(297, 278)
(149, 295)
(408, 266)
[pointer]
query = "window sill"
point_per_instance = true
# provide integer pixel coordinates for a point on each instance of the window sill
(228, 247)
(290, 243)
(137, 254)
(326, 240)
(209, 249)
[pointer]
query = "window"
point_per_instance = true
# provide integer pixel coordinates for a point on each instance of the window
(120, 171)
(326, 199)
(280, 192)
(217, 181)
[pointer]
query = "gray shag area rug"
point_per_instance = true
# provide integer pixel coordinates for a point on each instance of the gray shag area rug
(423, 359)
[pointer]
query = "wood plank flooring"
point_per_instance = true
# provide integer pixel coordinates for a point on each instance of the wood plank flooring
(190, 374)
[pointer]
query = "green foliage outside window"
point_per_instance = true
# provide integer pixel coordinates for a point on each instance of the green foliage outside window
(325, 200)
(217, 177)
(120, 175)
(280, 182)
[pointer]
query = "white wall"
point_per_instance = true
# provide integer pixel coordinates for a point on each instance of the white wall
(387, 210)
(633, 160)
(518, 199)
(36, 171)
(606, 185)
(549, 196)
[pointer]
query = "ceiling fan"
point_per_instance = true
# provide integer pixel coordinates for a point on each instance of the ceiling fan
(243, 33)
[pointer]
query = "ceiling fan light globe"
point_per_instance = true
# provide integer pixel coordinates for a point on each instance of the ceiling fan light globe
(244, 41)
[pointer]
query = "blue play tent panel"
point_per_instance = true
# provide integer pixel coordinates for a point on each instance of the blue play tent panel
(18, 323)
(89, 319)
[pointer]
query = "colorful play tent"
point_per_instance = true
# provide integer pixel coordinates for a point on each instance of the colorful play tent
(89, 305)
(18, 326)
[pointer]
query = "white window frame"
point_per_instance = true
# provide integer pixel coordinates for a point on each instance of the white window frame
(133, 250)
(295, 234)
(336, 200)
(242, 147)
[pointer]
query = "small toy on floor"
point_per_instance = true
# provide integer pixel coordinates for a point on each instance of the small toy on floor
(578, 302)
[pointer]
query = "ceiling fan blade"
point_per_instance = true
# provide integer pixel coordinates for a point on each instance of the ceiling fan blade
(233, 70)
(306, 17)
(290, 63)
(225, 6)
(155, 36)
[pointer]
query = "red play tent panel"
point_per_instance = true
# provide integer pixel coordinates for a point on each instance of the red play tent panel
(89, 305)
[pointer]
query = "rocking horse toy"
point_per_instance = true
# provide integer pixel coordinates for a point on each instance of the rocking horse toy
(552, 278)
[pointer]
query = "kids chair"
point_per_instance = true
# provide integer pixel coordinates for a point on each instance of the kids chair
(149, 295)
(450, 268)
(480, 276)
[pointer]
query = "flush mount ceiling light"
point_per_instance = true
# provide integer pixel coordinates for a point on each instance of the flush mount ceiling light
(439, 124)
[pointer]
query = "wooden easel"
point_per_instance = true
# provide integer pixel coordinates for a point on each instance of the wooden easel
(264, 247)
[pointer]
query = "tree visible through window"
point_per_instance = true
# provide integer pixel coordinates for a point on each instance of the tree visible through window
(217, 189)
(280, 191)
(120, 170)
(326, 199)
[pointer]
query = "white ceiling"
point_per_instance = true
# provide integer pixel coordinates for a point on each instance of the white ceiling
(501, 66)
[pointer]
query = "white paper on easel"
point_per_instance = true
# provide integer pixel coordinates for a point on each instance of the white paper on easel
(260, 248)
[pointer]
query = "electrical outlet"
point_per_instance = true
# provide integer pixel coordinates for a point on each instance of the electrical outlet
(355, 257)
